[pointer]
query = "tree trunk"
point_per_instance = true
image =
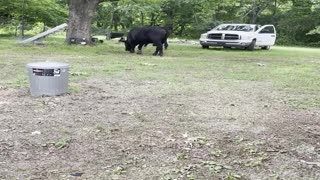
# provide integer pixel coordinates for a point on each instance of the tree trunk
(254, 13)
(44, 27)
(81, 13)
(274, 13)
(116, 26)
(181, 30)
(153, 19)
(142, 18)
(21, 29)
(23, 21)
(16, 31)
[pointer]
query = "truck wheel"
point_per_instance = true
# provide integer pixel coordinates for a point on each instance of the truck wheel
(205, 47)
(251, 46)
(265, 47)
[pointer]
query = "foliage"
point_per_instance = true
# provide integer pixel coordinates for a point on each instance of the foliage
(29, 12)
(297, 22)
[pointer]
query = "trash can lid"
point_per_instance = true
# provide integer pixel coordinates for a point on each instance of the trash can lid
(47, 65)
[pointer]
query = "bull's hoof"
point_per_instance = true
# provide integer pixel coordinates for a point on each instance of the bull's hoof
(139, 52)
(160, 55)
(155, 54)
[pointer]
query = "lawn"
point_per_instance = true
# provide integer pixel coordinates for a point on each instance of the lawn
(192, 114)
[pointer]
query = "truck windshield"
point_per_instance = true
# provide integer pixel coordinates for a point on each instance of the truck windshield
(233, 27)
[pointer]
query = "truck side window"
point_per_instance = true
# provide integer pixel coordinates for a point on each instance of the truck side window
(267, 30)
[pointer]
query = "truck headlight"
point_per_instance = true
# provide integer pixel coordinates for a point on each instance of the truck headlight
(204, 36)
(244, 37)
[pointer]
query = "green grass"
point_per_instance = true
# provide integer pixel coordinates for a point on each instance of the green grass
(293, 70)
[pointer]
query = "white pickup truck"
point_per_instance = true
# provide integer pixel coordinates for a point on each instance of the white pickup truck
(246, 36)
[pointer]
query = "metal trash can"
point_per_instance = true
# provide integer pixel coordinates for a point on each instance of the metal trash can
(48, 78)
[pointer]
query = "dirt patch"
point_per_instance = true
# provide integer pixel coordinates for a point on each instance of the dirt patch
(125, 129)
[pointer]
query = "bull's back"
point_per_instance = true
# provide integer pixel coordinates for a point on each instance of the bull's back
(143, 35)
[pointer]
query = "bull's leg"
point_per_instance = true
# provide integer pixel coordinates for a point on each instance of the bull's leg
(156, 52)
(132, 49)
(130, 46)
(166, 45)
(140, 49)
(159, 49)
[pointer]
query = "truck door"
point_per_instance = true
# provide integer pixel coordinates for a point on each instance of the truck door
(266, 36)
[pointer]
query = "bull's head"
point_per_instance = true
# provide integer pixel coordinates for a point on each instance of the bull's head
(126, 43)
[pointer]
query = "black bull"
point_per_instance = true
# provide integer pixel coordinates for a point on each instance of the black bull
(142, 36)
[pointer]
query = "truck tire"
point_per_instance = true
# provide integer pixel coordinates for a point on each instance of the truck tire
(205, 47)
(265, 47)
(251, 46)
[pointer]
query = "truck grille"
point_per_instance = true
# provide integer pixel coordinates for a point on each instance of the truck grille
(219, 36)
(231, 36)
(215, 36)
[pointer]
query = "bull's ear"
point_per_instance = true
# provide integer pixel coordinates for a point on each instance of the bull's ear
(122, 40)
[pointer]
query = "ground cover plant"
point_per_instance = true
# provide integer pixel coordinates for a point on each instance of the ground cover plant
(192, 114)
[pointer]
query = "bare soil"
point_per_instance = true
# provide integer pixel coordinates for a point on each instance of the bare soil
(127, 129)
